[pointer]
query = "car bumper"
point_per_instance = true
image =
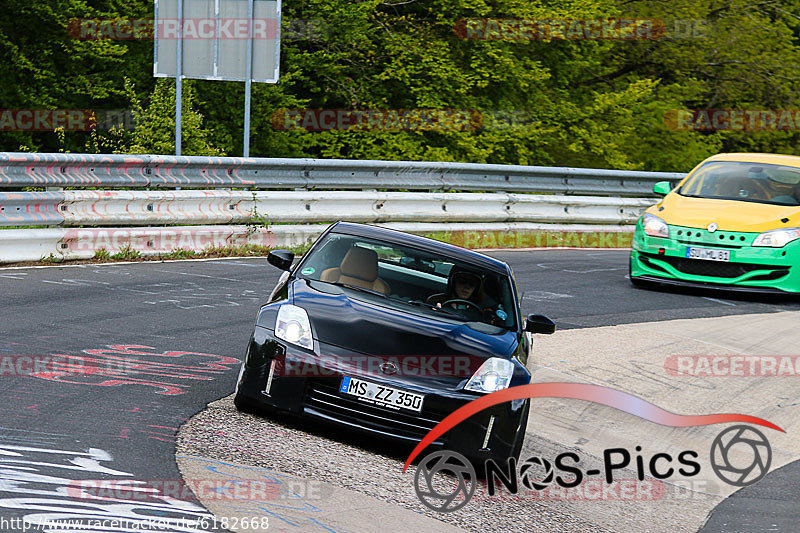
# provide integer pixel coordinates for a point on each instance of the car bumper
(314, 393)
(753, 269)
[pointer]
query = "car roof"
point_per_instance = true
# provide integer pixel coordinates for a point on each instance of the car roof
(422, 243)
(774, 159)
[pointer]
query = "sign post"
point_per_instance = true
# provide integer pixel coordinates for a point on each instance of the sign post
(179, 80)
(248, 76)
(224, 40)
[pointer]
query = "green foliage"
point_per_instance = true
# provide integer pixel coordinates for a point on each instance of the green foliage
(257, 221)
(44, 67)
(52, 259)
(155, 125)
(592, 103)
(126, 253)
(102, 254)
(179, 253)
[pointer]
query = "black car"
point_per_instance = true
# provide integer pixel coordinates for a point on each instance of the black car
(386, 332)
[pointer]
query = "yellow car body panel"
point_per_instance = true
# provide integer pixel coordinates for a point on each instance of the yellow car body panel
(729, 215)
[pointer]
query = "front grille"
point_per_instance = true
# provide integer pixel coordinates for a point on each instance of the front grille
(720, 269)
(323, 396)
(775, 274)
(644, 258)
(702, 237)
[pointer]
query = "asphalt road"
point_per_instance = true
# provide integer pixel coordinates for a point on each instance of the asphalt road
(172, 335)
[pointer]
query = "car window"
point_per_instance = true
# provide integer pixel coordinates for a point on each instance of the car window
(418, 281)
(748, 182)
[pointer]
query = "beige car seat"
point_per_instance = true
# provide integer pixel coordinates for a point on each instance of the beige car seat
(359, 268)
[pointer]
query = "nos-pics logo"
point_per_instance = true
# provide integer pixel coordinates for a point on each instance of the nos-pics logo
(437, 491)
(445, 481)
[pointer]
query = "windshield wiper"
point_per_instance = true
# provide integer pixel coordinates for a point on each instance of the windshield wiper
(356, 288)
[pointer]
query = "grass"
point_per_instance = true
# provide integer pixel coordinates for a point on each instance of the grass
(102, 255)
(180, 253)
(126, 253)
(51, 259)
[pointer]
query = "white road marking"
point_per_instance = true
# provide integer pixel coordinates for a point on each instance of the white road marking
(123, 263)
(67, 281)
(205, 276)
(543, 295)
(545, 267)
(718, 301)
(21, 275)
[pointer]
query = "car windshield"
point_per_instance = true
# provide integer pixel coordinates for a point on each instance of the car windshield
(747, 182)
(422, 282)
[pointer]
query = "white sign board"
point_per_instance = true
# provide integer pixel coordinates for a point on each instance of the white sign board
(215, 38)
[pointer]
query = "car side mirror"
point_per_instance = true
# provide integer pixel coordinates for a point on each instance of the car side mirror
(540, 324)
(282, 259)
(662, 188)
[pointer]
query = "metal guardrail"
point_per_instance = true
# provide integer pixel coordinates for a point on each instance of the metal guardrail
(138, 208)
(30, 208)
(19, 170)
(116, 208)
(82, 243)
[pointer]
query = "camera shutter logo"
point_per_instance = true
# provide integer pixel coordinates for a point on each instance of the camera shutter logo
(729, 455)
(526, 473)
(429, 490)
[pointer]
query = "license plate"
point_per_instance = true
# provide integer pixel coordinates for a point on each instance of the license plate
(381, 394)
(708, 254)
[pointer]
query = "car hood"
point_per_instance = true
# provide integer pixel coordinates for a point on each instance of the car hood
(729, 215)
(370, 327)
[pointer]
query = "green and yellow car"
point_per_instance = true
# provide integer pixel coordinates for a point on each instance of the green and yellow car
(732, 223)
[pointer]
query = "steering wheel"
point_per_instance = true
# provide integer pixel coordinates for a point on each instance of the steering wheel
(460, 301)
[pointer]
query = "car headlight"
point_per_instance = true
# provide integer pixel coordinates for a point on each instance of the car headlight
(777, 238)
(493, 375)
(292, 325)
(654, 226)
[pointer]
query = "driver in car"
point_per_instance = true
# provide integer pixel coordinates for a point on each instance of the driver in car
(465, 292)
(789, 199)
